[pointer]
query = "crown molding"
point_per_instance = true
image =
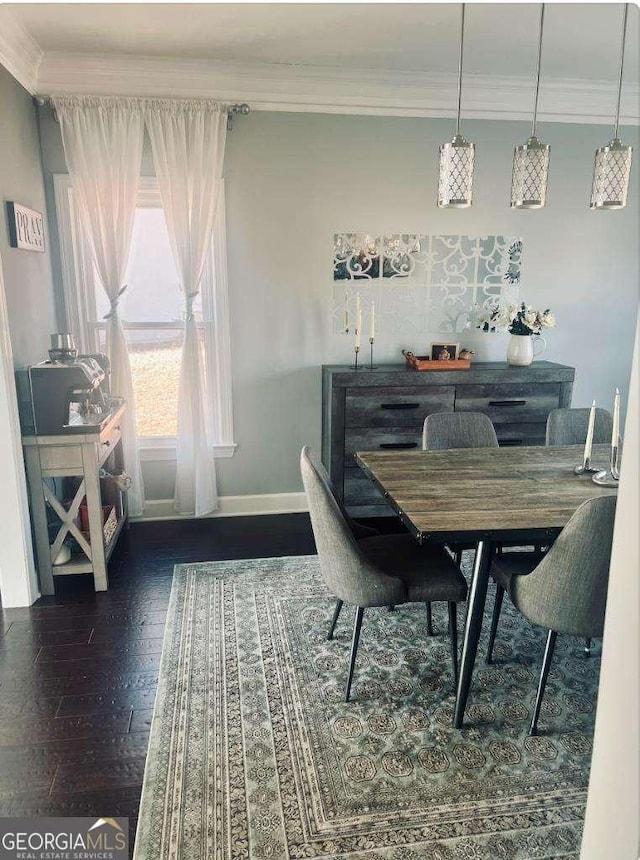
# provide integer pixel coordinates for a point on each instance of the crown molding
(20, 54)
(316, 89)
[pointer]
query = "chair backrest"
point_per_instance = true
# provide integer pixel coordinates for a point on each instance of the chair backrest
(357, 530)
(569, 426)
(567, 592)
(345, 569)
(458, 430)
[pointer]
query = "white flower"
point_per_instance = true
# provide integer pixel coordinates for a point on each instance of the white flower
(548, 320)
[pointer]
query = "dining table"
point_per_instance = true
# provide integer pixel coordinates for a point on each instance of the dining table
(483, 496)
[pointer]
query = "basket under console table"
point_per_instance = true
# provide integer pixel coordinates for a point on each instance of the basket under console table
(68, 479)
(385, 408)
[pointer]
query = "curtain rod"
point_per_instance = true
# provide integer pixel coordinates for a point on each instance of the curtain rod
(243, 109)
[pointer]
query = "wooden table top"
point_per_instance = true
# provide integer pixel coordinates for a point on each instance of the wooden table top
(484, 492)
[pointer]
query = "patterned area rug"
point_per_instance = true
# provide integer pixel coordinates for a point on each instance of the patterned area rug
(254, 753)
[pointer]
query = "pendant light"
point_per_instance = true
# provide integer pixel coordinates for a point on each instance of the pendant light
(455, 184)
(612, 164)
(531, 160)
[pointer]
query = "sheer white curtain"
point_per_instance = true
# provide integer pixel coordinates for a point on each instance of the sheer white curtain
(187, 139)
(102, 140)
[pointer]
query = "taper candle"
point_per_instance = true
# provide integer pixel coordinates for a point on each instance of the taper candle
(589, 443)
(615, 433)
(372, 330)
(346, 312)
(358, 320)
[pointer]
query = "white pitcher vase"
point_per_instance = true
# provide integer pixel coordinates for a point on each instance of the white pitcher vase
(522, 348)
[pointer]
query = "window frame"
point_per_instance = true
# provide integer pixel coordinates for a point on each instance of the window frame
(81, 317)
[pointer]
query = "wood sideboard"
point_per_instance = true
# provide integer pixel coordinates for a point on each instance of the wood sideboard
(385, 408)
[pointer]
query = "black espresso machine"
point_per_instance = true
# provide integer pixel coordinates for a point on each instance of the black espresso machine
(65, 396)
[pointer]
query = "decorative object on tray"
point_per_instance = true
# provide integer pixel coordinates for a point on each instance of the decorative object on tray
(425, 362)
(444, 351)
(466, 354)
(586, 467)
(523, 324)
(611, 476)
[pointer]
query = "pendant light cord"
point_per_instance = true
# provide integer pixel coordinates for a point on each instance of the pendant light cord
(535, 103)
(460, 72)
(624, 33)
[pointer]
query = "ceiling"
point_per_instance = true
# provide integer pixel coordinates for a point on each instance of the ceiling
(398, 59)
(581, 40)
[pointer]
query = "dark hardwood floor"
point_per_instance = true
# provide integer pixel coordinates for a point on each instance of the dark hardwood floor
(78, 671)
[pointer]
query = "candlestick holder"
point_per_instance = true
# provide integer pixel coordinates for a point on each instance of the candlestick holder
(610, 477)
(585, 468)
(355, 365)
(372, 366)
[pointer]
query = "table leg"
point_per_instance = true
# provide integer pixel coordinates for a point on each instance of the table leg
(473, 626)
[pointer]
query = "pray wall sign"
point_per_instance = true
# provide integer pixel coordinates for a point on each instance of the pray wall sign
(26, 227)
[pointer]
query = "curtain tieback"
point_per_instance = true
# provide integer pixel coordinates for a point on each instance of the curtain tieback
(114, 302)
(190, 299)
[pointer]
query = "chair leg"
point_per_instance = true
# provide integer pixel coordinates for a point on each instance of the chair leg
(334, 620)
(546, 665)
(429, 620)
(453, 633)
(587, 647)
(495, 618)
(354, 648)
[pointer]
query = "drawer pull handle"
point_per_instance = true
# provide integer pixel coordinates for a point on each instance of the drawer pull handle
(399, 405)
(107, 443)
(506, 443)
(507, 402)
(398, 445)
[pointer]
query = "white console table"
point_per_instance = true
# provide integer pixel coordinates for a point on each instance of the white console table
(81, 456)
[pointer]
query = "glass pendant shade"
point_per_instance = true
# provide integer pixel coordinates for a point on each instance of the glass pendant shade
(455, 183)
(611, 171)
(455, 176)
(530, 175)
(612, 165)
(531, 159)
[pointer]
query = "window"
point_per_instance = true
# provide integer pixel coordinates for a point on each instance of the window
(152, 312)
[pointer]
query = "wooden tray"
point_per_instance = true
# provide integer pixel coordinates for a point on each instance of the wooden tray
(423, 362)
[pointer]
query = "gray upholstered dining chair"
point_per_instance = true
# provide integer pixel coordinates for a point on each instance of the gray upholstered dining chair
(385, 570)
(566, 592)
(443, 430)
(564, 427)
(569, 426)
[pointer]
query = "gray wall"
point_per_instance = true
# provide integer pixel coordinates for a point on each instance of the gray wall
(295, 179)
(27, 274)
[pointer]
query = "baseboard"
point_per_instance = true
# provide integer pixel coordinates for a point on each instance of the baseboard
(231, 506)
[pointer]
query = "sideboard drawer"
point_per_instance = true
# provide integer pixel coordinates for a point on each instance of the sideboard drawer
(399, 407)
(506, 403)
(516, 434)
(381, 439)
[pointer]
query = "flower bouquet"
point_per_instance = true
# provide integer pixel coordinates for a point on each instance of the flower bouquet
(527, 321)
(516, 319)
